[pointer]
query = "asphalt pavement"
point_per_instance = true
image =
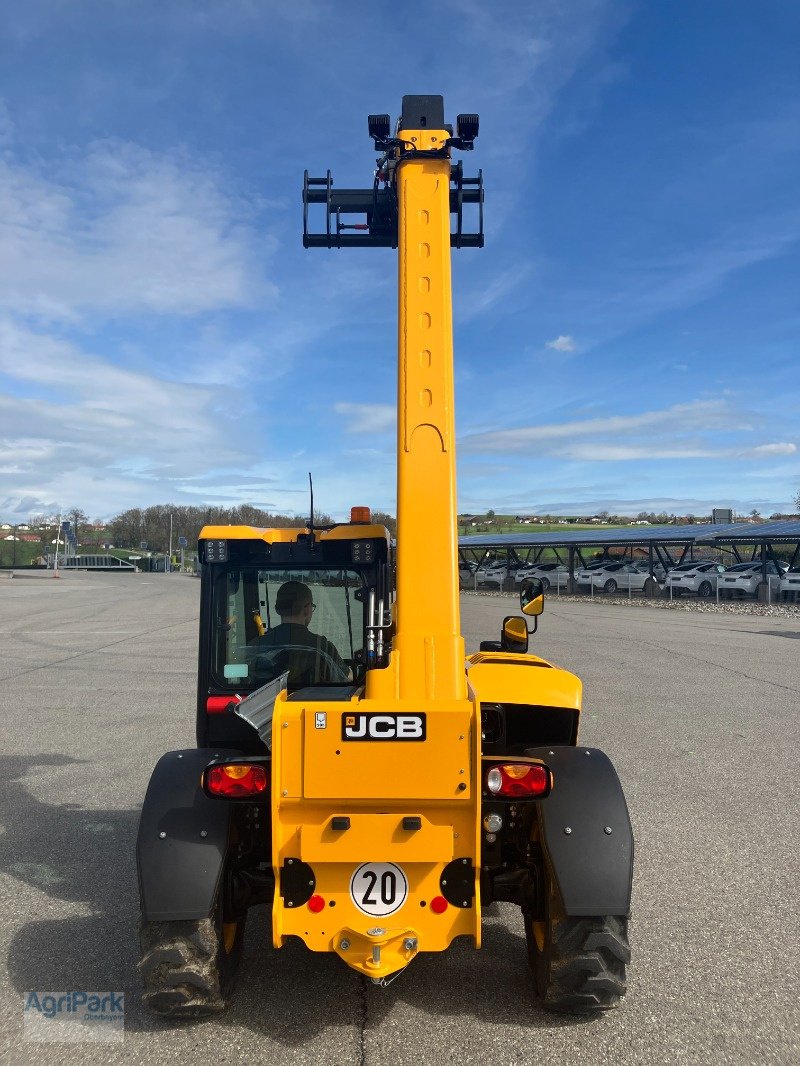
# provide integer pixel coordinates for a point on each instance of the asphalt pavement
(698, 712)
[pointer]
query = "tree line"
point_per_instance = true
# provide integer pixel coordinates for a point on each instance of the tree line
(151, 525)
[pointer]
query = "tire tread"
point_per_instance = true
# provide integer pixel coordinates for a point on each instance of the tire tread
(588, 959)
(180, 968)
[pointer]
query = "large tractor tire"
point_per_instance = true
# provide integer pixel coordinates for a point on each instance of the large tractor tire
(578, 963)
(188, 968)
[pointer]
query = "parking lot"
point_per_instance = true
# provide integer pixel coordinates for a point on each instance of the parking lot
(699, 713)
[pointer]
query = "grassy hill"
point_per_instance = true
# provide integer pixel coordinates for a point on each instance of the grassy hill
(508, 524)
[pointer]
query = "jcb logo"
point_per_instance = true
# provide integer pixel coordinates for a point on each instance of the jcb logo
(383, 727)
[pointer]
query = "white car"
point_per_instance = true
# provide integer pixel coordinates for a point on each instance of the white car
(659, 573)
(466, 574)
(491, 574)
(614, 576)
(698, 577)
(790, 585)
(496, 573)
(583, 577)
(550, 574)
(745, 578)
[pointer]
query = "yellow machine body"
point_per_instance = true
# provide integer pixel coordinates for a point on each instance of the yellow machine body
(316, 774)
(321, 778)
(505, 677)
(362, 775)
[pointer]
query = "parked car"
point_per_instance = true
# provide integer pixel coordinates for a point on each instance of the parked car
(466, 574)
(680, 567)
(583, 577)
(659, 573)
(495, 573)
(623, 575)
(698, 577)
(790, 584)
(491, 574)
(550, 574)
(745, 578)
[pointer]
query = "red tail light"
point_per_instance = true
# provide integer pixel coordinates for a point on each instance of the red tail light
(235, 780)
(220, 704)
(518, 780)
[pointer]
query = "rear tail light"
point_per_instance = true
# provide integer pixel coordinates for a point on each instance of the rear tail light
(518, 780)
(221, 704)
(237, 780)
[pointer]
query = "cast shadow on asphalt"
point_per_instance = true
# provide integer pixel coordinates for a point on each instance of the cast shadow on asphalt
(85, 859)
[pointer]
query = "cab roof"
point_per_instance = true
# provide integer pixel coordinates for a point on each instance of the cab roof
(289, 534)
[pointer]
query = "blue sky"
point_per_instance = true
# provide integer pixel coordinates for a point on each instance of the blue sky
(627, 339)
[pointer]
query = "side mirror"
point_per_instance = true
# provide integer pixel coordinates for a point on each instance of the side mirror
(515, 634)
(531, 597)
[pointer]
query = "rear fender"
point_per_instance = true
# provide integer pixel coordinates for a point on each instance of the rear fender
(585, 831)
(183, 839)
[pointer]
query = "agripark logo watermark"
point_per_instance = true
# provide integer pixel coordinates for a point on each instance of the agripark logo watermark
(74, 1017)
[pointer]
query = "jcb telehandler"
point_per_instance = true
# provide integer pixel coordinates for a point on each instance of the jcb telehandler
(353, 768)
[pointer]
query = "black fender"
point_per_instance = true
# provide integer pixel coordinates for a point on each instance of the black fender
(183, 839)
(585, 831)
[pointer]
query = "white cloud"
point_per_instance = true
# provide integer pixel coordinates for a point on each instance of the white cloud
(703, 429)
(497, 289)
(773, 449)
(621, 452)
(562, 343)
(124, 230)
(100, 432)
(690, 417)
(600, 452)
(367, 417)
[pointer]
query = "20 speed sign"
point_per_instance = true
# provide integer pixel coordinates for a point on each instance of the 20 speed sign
(378, 888)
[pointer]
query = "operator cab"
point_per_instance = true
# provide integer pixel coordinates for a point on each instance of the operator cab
(314, 605)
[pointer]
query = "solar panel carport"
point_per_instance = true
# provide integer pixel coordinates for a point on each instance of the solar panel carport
(667, 545)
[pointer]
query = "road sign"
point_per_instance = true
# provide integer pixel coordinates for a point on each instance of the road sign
(143, 545)
(183, 542)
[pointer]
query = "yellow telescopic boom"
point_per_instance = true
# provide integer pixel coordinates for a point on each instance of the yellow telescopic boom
(428, 643)
(410, 795)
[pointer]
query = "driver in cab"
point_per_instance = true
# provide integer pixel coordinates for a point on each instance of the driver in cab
(310, 658)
